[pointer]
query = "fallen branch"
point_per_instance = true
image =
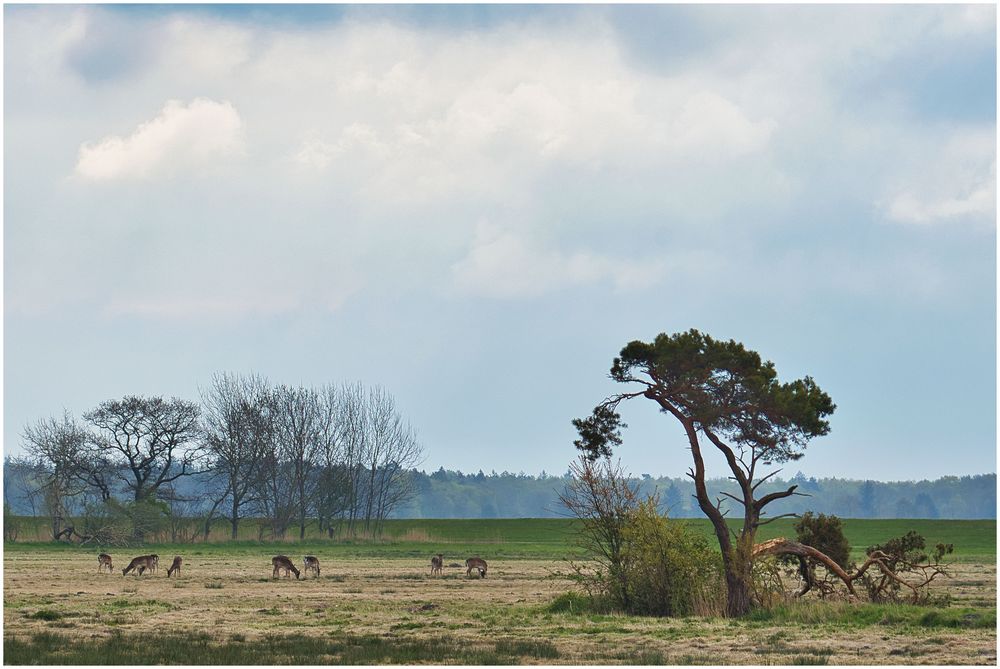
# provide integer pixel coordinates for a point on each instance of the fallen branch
(888, 565)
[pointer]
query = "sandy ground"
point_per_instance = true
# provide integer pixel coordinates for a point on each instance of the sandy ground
(236, 596)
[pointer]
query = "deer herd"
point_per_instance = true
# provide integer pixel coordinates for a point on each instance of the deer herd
(280, 563)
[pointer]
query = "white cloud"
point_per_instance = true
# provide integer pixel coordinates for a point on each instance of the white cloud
(709, 122)
(208, 308)
(180, 137)
(980, 203)
(403, 113)
(374, 145)
(951, 179)
(502, 264)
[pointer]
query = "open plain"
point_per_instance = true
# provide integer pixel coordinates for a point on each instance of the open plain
(366, 609)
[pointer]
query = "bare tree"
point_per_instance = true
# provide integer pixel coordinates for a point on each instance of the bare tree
(333, 485)
(299, 435)
(353, 439)
(392, 448)
(601, 497)
(274, 495)
(239, 424)
(150, 441)
(181, 514)
(60, 451)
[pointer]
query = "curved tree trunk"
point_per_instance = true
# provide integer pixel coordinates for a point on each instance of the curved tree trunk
(782, 546)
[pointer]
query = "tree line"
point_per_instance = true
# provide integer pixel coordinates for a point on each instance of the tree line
(454, 494)
(337, 454)
(447, 493)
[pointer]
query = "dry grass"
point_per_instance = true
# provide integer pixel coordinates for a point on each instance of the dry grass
(504, 616)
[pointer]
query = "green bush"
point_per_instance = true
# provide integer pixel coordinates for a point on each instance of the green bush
(646, 564)
(825, 534)
(672, 570)
(907, 556)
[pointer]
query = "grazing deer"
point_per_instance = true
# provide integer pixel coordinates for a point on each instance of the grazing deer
(282, 562)
(436, 562)
(143, 562)
(310, 563)
(175, 566)
(476, 563)
(104, 560)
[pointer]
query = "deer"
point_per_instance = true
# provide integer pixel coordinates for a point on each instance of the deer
(476, 563)
(104, 560)
(282, 562)
(175, 566)
(436, 563)
(143, 563)
(310, 563)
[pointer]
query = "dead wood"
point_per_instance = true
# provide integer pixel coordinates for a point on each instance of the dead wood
(889, 567)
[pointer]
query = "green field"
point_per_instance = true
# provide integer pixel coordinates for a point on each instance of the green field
(552, 538)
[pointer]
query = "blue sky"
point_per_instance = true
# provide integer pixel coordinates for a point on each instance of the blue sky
(476, 207)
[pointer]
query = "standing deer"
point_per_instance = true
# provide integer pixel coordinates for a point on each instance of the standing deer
(175, 566)
(476, 563)
(310, 563)
(143, 563)
(104, 560)
(282, 562)
(436, 563)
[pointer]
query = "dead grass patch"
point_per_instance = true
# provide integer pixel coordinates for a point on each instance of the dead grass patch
(507, 619)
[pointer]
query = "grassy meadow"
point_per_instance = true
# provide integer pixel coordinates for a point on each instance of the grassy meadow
(376, 602)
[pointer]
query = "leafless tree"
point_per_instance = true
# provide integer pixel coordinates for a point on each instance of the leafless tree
(181, 516)
(150, 442)
(391, 449)
(601, 497)
(59, 448)
(275, 494)
(239, 430)
(333, 484)
(299, 434)
(354, 436)
(342, 451)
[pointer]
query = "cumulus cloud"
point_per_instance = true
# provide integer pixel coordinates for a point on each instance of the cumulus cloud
(405, 115)
(979, 203)
(952, 180)
(180, 136)
(502, 264)
(376, 145)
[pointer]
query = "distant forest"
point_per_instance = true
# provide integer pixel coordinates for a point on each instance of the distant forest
(453, 494)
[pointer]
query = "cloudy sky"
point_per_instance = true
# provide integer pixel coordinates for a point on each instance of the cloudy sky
(477, 207)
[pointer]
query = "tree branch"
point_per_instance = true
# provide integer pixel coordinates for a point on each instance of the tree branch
(767, 499)
(758, 483)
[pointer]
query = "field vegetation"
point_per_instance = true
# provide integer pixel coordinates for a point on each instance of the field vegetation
(377, 603)
(536, 537)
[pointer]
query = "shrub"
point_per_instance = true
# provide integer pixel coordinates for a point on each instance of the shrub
(906, 556)
(671, 569)
(646, 564)
(826, 534)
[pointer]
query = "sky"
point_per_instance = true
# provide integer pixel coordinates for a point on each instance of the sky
(477, 207)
